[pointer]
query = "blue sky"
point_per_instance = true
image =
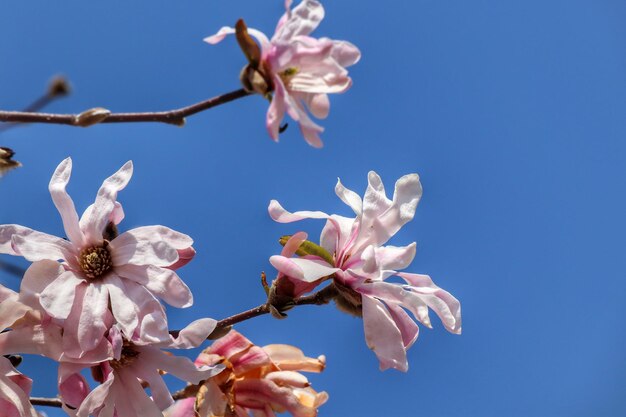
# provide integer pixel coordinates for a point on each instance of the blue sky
(511, 112)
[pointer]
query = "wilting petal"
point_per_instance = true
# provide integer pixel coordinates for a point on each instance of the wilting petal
(290, 358)
(64, 203)
(104, 205)
(383, 336)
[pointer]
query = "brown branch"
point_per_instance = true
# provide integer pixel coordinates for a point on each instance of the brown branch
(323, 296)
(100, 115)
(48, 402)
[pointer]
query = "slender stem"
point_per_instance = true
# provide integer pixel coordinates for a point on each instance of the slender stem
(48, 402)
(57, 88)
(84, 119)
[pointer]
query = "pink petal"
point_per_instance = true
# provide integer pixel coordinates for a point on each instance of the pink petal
(73, 387)
(345, 53)
(179, 366)
(92, 322)
(290, 378)
(182, 408)
(301, 21)
(383, 218)
(407, 326)
(58, 297)
(64, 203)
(124, 309)
(233, 343)
(349, 197)
(276, 111)
(279, 214)
(12, 393)
(193, 335)
(447, 307)
(307, 270)
(293, 244)
(225, 31)
(33, 245)
(318, 105)
(103, 207)
(164, 283)
(36, 278)
(383, 336)
(128, 248)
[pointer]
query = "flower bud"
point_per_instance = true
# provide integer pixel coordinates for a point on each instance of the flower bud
(91, 117)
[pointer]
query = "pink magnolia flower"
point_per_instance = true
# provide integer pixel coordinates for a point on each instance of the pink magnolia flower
(300, 70)
(361, 264)
(121, 391)
(261, 381)
(104, 278)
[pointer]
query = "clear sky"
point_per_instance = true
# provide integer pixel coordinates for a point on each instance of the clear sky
(512, 112)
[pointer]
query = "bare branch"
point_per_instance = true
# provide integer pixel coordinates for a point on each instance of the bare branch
(84, 119)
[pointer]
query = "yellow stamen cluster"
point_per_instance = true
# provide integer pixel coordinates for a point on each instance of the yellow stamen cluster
(95, 261)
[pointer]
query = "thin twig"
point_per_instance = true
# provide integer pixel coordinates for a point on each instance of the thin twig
(99, 115)
(48, 402)
(57, 88)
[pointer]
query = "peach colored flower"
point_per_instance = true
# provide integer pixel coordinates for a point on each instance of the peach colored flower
(261, 381)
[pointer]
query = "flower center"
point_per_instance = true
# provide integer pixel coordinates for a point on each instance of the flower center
(129, 355)
(95, 261)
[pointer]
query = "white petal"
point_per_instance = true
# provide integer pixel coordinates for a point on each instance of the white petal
(64, 203)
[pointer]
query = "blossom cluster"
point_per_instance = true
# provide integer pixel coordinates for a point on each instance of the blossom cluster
(93, 300)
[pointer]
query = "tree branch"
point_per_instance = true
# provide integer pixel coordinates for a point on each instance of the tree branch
(47, 402)
(99, 115)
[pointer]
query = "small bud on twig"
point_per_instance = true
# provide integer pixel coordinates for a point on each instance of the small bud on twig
(59, 87)
(91, 117)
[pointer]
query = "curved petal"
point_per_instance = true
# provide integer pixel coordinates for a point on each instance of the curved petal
(164, 283)
(279, 214)
(383, 218)
(276, 111)
(383, 336)
(407, 326)
(447, 307)
(179, 366)
(301, 21)
(226, 30)
(345, 53)
(103, 207)
(92, 323)
(318, 104)
(64, 203)
(12, 385)
(352, 199)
